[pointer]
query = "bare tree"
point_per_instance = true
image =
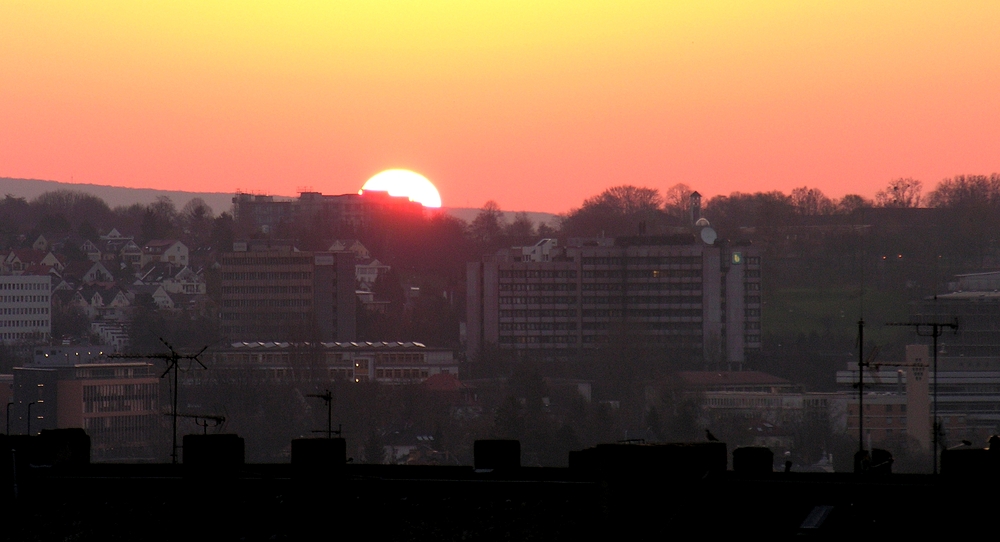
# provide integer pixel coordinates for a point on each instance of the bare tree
(852, 202)
(811, 201)
(966, 191)
(616, 211)
(904, 193)
(677, 200)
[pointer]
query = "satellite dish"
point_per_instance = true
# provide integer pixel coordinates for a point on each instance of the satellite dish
(708, 235)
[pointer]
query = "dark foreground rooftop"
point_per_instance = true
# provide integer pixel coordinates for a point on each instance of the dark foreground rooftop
(628, 499)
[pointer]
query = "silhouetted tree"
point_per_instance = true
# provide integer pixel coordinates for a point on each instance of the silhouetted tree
(811, 201)
(900, 193)
(617, 211)
(677, 200)
(487, 228)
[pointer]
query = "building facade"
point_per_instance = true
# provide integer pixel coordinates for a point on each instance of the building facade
(313, 209)
(684, 293)
(383, 362)
(117, 404)
(25, 309)
(285, 294)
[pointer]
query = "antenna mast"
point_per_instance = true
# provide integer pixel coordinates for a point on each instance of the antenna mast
(935, 331)
(172, 358)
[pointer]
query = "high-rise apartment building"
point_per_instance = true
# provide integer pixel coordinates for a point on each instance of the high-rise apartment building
(287, 295)
(685, 294)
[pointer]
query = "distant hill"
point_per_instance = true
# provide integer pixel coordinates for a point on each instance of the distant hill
(218, 201)
(114, 195)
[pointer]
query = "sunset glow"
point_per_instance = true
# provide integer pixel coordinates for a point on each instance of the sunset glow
(402, 182)
(537, 105)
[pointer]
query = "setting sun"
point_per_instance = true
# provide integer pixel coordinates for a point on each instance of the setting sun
(403, 182)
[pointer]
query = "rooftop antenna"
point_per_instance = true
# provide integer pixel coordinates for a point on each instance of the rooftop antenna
(327, 398)
(172, 358)
(861, 343)
(205, 421)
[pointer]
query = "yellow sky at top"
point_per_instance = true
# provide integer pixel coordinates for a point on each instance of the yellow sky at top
(535, 104)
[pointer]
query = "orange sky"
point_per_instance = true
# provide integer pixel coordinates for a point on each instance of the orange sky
(534, 104)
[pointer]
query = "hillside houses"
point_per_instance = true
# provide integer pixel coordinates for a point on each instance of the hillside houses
(106, 280)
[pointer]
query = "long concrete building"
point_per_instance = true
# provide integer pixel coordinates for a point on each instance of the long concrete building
(690, 295)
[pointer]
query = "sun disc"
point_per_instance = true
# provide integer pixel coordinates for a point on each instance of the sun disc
(405, 183)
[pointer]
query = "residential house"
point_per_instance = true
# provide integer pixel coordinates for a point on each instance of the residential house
(164, 250)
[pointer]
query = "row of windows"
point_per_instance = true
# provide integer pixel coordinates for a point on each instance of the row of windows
(752, 299)
(642, 273)
(689, 341)
(119, 397)
(24, 286)
(24, 298)
(270, 316)
(752, 286)
(267, 289)
(751, 338)
(641, 286)
(752, 273)
(24, 323)
(401, 373)
(643, 260)
(753, 260)
(751, 313)
(538, 326)
(292, 260)
(23, 335)
(564, 287)
(267, 303)
(751, 325)
(539, 313)
(693, 298)
(643, 313)
(24, 310)
(539, 300)
(532, 274)
(268, 275)
(538, 339)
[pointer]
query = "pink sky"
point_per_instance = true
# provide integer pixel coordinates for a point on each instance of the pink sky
(535, 105)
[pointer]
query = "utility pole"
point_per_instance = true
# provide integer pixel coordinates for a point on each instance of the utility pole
(861, 385)
(933, 330)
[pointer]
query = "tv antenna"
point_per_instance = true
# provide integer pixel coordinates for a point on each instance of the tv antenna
(205, 421)
(327, 398)
(173, 359)
(933, 330)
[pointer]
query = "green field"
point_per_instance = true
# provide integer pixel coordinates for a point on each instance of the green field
(834, 311)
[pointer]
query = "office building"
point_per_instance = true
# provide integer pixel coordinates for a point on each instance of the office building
(25, 309)
(284, 294)
(117, 404)
(690, 295)
(383, 362)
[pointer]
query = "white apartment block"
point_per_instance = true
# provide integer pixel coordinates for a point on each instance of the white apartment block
(25, 309)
